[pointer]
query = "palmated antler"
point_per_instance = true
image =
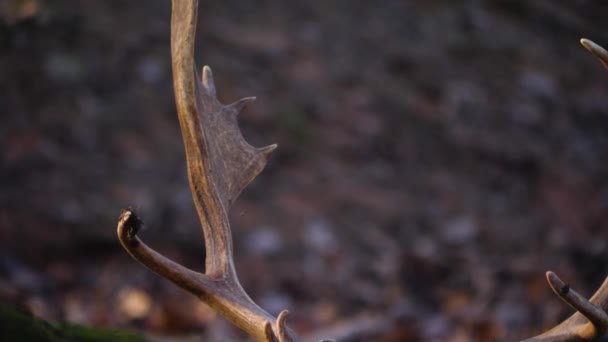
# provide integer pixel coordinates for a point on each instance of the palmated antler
(220, 165)
(590, 322)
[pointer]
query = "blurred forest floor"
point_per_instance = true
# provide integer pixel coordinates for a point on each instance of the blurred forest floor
(435, 159)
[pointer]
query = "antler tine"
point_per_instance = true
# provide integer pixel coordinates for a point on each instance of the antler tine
(587, 308)
(596, 50)
(220, 165)
(207, 80)
(590, 321)
(587, 324)
(128, 226)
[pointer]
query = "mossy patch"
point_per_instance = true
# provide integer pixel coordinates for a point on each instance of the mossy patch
(16, 325)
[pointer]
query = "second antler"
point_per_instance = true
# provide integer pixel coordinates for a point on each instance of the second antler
(220, 165)
(590, 322)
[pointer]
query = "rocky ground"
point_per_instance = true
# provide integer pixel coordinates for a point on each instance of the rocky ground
(435, 159)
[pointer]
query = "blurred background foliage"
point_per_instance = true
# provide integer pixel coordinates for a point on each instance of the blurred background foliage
(435, 158)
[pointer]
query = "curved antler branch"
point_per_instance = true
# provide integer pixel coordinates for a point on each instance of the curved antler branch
(128, 227)
(221, 294)
(220, 165)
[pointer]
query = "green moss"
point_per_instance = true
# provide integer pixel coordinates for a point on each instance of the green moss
(19, 326)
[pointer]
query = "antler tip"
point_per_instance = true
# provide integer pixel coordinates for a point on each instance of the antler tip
(207, 79)
(282, 318)
(266, 151)
(269, 334)
(242, 103)
(125, 214)
(129, 224)
(587, 43)
(282, 327)
(590, 45)
(558, 285)
(596, 50)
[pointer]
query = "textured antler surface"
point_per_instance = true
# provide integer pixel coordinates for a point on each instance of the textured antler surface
(220, 165)
(590, 322)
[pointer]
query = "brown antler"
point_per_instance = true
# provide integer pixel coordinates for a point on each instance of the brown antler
(220, 165)
(590, 322)
(596, 50)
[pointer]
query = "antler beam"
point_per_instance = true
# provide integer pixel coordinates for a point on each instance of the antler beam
(220, 165)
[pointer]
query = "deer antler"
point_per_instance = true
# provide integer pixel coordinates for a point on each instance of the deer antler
(220, 165)
(590, 322)
(596, 50)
